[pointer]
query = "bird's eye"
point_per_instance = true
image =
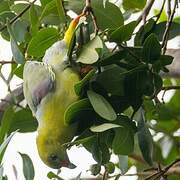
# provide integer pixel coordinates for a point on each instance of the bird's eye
(53, 157)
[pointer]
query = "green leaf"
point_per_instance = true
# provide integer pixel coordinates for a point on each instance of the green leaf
(5, 143)
(88, 54)
(17, 54)
(123, 163)
(51, 175)
(54, 7)
(112, 58)
(79, 87)
(20, 29)
(104, 127)
(108, 17)
(145, 139)
(95, 169)
(123, 33)
(24, 121)
(42, 41)
(4, 6)
(101, 106)
(160, 28)
(134, 5)
(166, 60)
(28, 168)
(6, 123)
(60, 9)
(74, 109)
(34, 20)
(112, 80)
(123, 142)
(19, 71)
(144, 31)
(151, 49)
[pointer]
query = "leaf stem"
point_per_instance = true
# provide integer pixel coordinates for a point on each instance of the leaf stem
(18, 16)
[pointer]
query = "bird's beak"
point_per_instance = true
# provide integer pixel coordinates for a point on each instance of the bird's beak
(68, 164)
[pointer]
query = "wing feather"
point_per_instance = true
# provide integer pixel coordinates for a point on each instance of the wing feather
(39, 80)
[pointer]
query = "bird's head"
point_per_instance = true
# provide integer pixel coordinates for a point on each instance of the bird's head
(53, 154)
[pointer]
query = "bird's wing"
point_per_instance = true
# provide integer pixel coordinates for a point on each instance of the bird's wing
(39, 80)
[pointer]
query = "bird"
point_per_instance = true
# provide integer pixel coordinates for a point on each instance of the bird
(49, 89)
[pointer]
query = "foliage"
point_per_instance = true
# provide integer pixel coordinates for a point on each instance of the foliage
(118, 112)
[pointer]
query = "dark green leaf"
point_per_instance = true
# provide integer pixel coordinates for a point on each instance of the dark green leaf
(160, 28)
(123, 142)
(17, 54)
(101, 106)
(112, 80)
(6, 123)
(74, 109)
(28, 168)
(41, 41)
(24, 121)
(144, 32)
(79, 87)
(123, 33)
(134, 5)
(112, 58)
(151, 49)
(108, 17)
(145, 139)
(88, 54)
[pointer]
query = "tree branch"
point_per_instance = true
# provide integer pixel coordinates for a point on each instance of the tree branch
(18, 16)
(162, 172)
(7, 62)
(168, 25)
(145, 12)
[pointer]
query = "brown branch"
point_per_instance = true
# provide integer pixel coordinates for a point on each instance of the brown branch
(166, 88)
(168, 26)
(88, 10)
(160, 12)
(7, 62)
(145, 12)
(17, 94)
(19, 15)
(163, 171)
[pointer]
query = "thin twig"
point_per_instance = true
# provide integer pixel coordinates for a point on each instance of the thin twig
(7, 62)
(160, 12)
(88, 10)
(105, 175)
(166, 88)
(145, 11)
(158, 174)
(168, 26)
(11, 102)
(18, 16)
